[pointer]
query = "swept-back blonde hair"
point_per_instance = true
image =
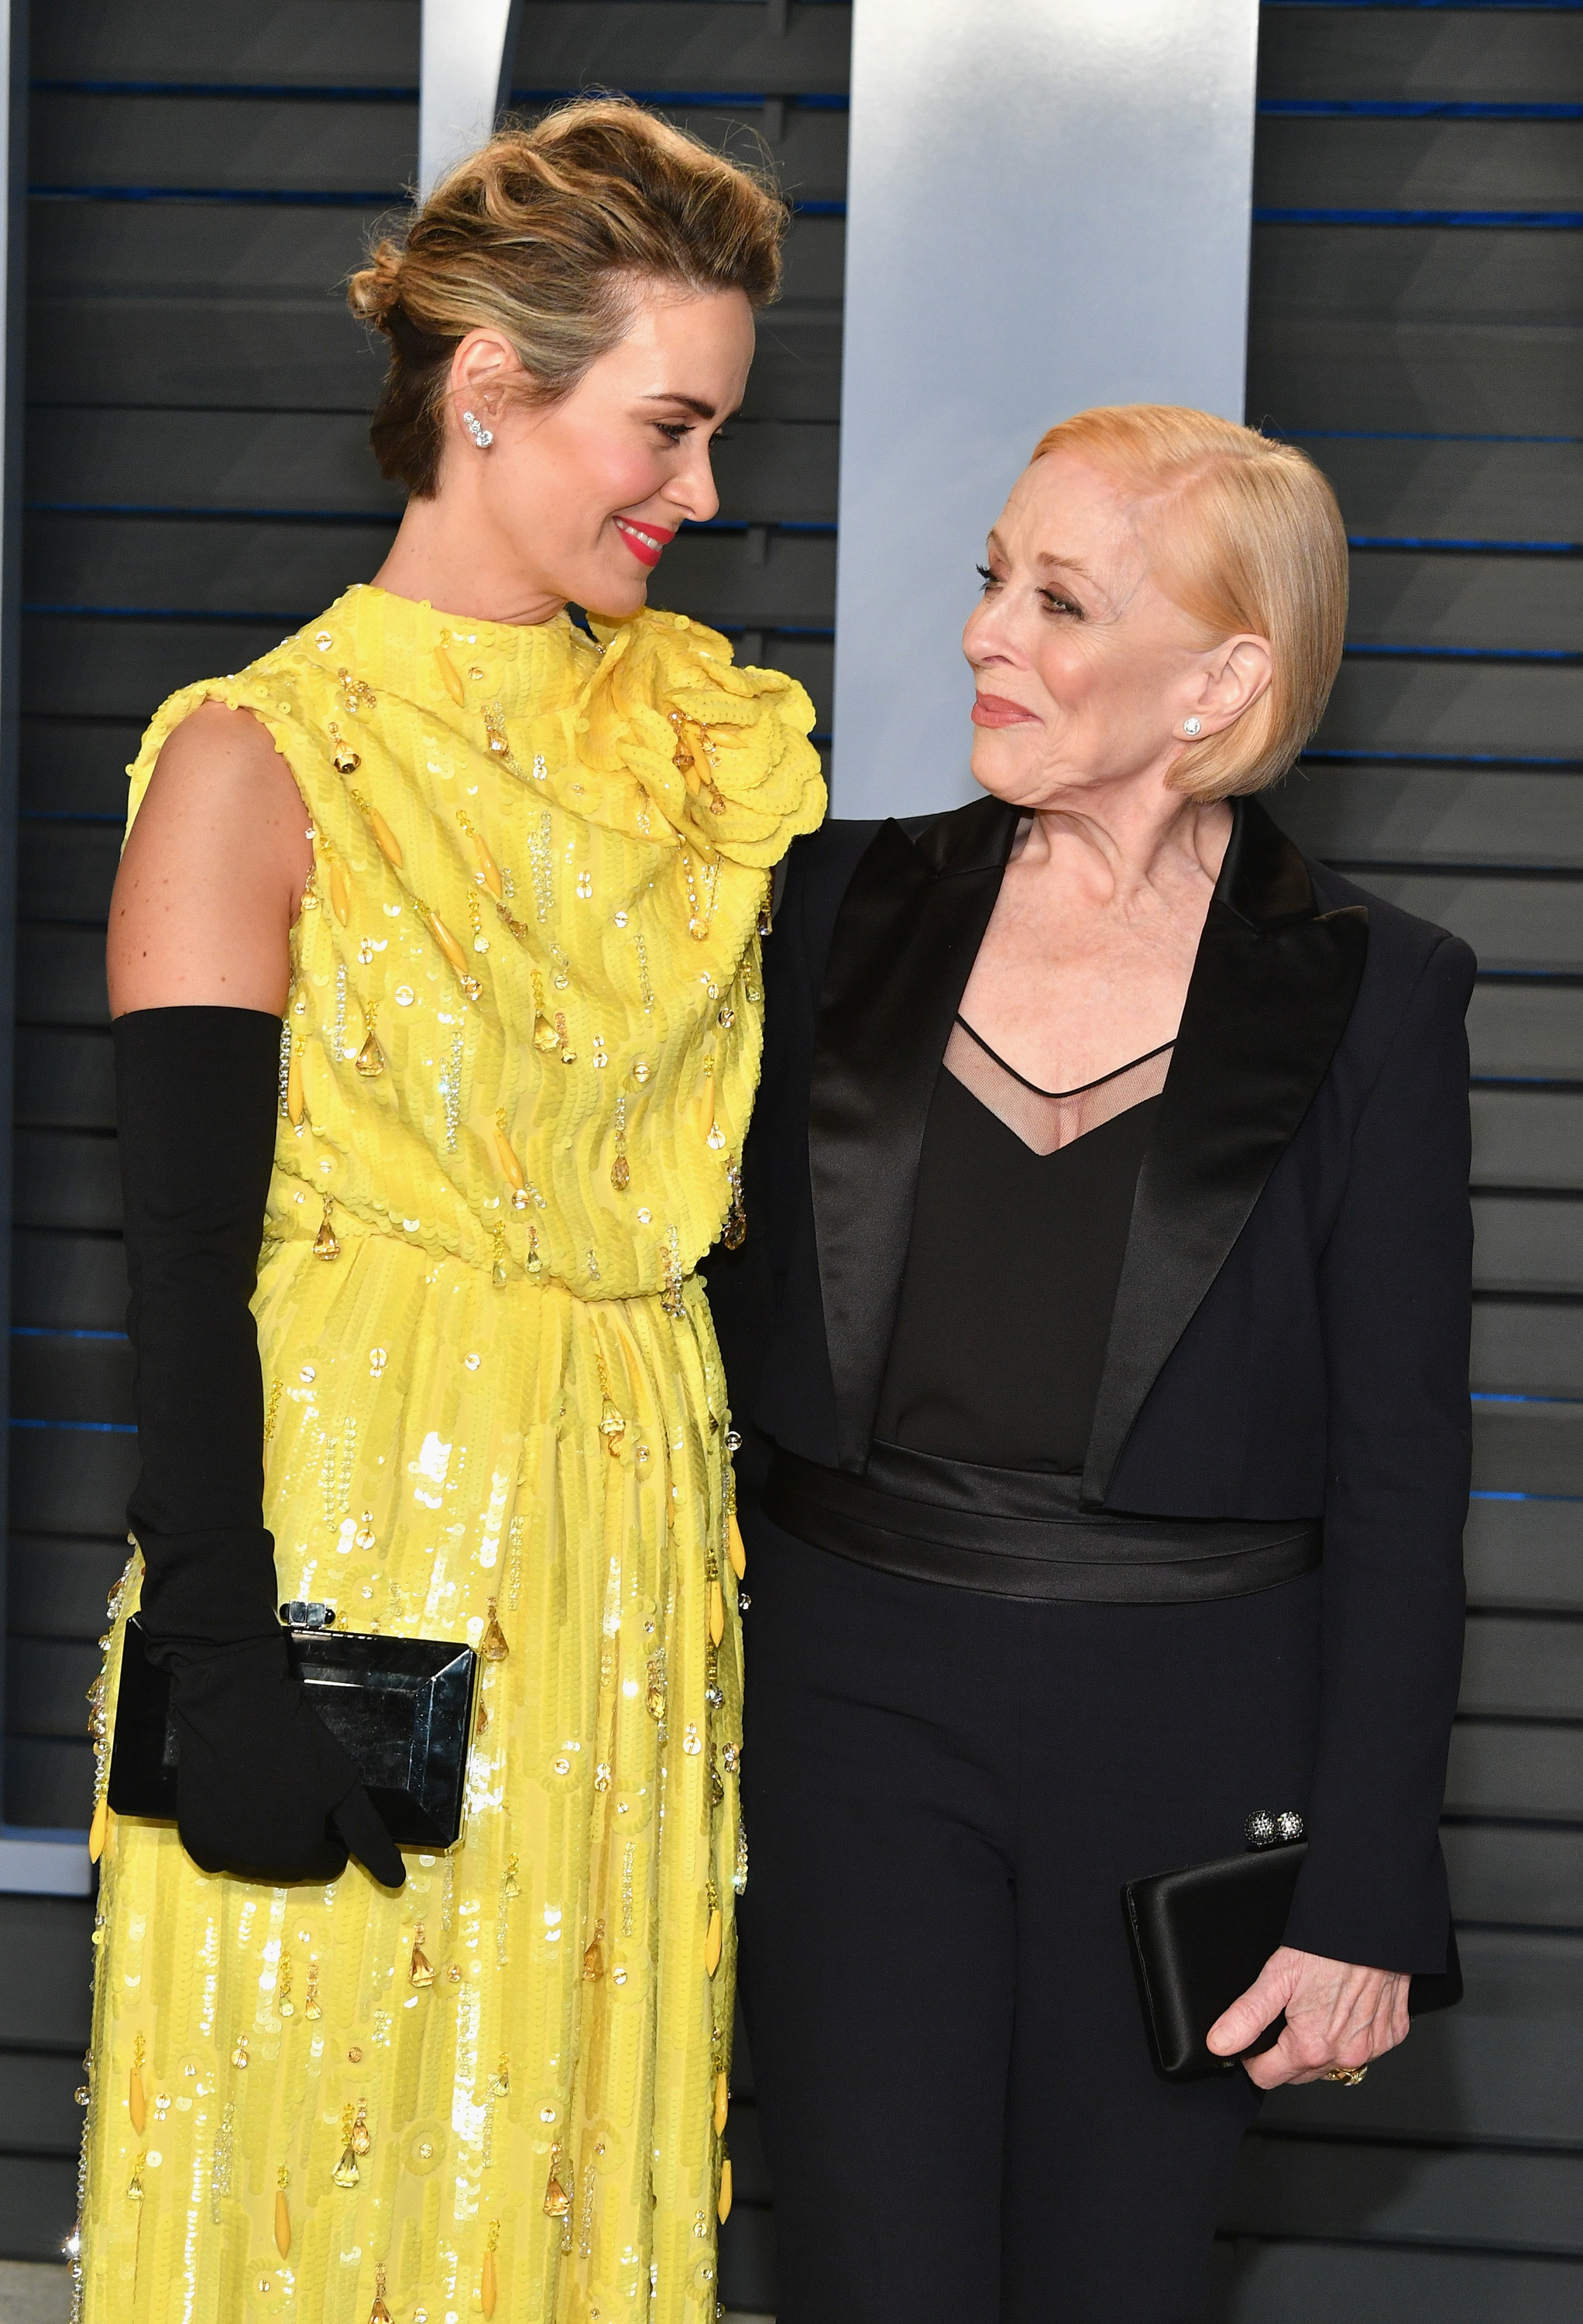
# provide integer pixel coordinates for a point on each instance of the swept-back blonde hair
(542, 235)
(1244, 534)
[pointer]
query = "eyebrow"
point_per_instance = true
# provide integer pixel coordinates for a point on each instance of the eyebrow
(1044, 558)
(688, 402)
(1064, 564)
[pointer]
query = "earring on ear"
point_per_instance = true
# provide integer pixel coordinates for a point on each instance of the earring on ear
(1193, 726)
(482, 436)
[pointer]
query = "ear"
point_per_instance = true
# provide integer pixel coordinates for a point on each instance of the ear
(1236, 676)
(484, 370)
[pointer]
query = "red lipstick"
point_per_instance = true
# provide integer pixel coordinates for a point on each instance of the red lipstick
(647, 540)
(995, 710)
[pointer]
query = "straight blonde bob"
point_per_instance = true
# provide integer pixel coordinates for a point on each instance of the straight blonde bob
(1244, 534)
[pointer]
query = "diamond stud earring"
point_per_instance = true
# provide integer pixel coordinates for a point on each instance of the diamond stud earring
(1191, 725)
(482, 436)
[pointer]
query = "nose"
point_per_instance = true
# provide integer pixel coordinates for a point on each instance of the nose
(692, 490)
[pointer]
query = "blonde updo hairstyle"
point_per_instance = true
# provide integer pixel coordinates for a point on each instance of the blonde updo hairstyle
(1244, 535)
(543, 234)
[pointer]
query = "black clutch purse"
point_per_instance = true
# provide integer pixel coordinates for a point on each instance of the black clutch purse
(401, 1707)
(1201, 1936)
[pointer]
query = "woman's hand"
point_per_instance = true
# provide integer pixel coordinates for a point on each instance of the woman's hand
(1338, 2018)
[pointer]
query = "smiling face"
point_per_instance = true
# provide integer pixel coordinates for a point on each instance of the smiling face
(1086, 671)
(582, 496)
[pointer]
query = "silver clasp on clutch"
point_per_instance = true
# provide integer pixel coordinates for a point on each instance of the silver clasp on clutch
(307, 1614)
(1263, 1830)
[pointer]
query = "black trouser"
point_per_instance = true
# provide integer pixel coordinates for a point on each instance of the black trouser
(943, 1793)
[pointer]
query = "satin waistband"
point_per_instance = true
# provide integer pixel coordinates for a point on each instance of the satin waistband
(1020, 1533)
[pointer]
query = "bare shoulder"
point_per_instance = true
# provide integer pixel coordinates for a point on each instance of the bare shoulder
(213, 872)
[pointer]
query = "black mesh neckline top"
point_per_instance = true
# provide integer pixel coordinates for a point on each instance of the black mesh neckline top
(1010, 1281)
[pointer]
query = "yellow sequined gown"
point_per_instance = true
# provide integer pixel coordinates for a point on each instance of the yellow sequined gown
(517, 1067)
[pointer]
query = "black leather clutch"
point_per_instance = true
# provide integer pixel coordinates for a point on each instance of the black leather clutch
(402, 1707)
(1201, 1936)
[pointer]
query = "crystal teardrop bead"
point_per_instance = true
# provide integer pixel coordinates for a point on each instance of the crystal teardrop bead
(493, 1645)
(371, 1059)
(345, 2173)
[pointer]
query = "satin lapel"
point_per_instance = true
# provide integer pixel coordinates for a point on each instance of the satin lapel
(1272, 990)
(905, 941)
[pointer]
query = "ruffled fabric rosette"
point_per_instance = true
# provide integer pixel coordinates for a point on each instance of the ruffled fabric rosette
(691, 749)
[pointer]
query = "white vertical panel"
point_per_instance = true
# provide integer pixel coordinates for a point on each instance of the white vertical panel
(468, 49)
(1049, 207)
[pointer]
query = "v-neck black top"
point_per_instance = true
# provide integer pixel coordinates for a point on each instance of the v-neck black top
(1010, 1281)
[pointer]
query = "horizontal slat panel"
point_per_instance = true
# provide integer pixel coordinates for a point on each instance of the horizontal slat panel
(86, 138)
(1522, 1877)
(153, 563)
(65, 870)
(1432, 815)
(1528, 2202)
(64, 1080)
(1402, 276)
(1401, 490)
(1523, 1666)
(1359, 165)
(77, 766)
(305, 44)
(47, 1682)
(217, 565)
(124, 669)
(49, 1782)
(1513, 55)
(61, 976)
(70, 1480)
(69, 1282)
(1523, 1769)
(1504, 2066)
(1528, 1448)
(1518, 603)
(48, 2008)
(1527, 1244)
(55, 1376)
(61, 1589)
(39, 2113)
(317, 460)
(685, 44)
(1529, 1031)
(1456, 709)
(1524, 1554)
(1511, 924)
(1526, 1348)
(65, 1179)
(1527, 1138)
(1315, 2284)
(1335, 371)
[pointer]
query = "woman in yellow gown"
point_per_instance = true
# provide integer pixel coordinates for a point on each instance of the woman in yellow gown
(521, 1042)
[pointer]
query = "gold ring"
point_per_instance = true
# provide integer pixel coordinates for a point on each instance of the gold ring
(1348, 2076)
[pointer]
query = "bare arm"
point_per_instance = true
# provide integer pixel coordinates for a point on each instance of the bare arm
(212, 878)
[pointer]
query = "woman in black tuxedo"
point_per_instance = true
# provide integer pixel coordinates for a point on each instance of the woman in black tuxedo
(1101, 1342)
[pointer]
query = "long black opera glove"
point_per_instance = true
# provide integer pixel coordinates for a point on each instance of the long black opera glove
(263, 1790)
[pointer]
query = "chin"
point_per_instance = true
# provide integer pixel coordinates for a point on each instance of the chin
(614, 596)
(1001, 765)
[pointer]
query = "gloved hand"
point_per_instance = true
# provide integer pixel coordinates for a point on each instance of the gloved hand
(263, 1788)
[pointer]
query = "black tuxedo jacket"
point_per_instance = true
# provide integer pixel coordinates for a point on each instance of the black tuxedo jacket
(1291, 1332)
